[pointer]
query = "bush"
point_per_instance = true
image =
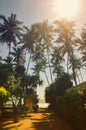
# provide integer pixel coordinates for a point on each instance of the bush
(71, 108)
(58, 88)
(4, 95)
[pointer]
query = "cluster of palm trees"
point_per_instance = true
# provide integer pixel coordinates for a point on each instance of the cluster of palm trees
(50, 48)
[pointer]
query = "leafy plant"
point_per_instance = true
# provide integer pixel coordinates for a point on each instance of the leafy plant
(4, 95)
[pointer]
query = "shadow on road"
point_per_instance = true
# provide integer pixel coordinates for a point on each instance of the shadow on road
(42, 120)
(49, 121)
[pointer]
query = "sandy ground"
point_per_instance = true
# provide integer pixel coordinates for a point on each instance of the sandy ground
(42, 120)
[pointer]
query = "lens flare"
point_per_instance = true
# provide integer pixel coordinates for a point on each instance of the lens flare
(66, 8)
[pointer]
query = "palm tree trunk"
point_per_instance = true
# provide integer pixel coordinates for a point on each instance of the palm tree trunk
(81, 75)
(9, 45)
(68, 63)
(49, 66)
(28, 63)
(78, 78)
(74, 75)
(46, 77)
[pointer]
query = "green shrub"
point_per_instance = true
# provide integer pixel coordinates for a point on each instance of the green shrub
(71, 108)
(4, 95)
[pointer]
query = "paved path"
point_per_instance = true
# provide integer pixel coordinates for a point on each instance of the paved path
(37, 121)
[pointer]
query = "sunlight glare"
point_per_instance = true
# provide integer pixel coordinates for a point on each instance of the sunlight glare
(66, 8)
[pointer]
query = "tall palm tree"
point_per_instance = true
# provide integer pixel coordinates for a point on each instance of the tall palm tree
(43, 32)
(81, 47)
(29, 41)
(65, 31)
(10, 29)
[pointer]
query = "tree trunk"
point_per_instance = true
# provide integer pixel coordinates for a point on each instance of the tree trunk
(78, 78)
(81, 75)
(15, 111)
(28, 63)
(46, 77)
(68, 63)
(9, 45)
(49, 66)
(74, 75)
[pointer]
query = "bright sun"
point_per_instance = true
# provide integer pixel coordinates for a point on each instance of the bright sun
(66, 8)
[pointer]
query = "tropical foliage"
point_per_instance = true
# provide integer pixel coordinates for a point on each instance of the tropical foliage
(4, 95)
(72, 106)
(43, 48)
(9, 30)
(58, 88)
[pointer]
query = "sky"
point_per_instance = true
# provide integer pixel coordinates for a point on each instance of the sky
(32, 11)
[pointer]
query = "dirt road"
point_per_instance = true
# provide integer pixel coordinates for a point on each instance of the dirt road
(41, 120)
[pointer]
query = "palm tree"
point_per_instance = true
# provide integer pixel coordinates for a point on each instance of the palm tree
(65, 31)
(29, 41)
(43, 32)
(81, 47)
(10, 29)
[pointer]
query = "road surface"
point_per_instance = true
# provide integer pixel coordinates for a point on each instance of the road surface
(42, 120)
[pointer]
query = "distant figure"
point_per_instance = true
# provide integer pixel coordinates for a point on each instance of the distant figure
(35, 107)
